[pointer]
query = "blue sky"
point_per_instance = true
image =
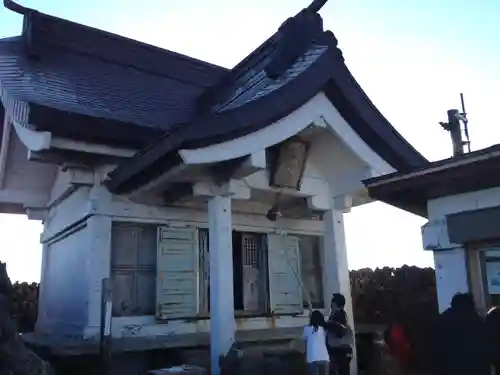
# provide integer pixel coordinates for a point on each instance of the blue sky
(412, 58)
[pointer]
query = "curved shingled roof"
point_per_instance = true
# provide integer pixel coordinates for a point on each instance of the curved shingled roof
(298, 62)
(86, 84)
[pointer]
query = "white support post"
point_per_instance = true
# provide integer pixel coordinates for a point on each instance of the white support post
(99, 228)
(451, 275)
(336, 272)
(450, 261)
(222, 323)
(99, 265)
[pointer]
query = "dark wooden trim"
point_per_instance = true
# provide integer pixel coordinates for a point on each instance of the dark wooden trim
(415, 191)
(356, 108)
(91, 129)
(264, 111)
(474, 225)
(222, 172)
(130, 176)
(2, 119)
(177, 192)
(429, 168)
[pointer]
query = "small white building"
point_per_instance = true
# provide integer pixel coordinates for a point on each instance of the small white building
(460, 197)
(213, 198)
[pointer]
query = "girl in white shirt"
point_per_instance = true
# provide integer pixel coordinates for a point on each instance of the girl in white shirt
(316, 353)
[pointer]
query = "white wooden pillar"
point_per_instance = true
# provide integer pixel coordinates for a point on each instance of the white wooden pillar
(222, 323)
(99, 267)
(451, 275)
(336, 272)
(450, 259)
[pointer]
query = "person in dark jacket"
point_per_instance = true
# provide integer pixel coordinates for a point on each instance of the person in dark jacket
(462, 340)
(339, 336)
(493, 323)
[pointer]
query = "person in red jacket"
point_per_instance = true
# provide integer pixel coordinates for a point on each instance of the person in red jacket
(398, 344)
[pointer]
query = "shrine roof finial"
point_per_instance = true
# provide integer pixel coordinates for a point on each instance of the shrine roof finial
(15, 7)
(316, 5)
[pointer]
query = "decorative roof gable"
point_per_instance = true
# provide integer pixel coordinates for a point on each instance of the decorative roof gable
(299, 61)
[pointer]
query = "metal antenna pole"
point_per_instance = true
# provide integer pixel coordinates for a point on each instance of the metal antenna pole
(454, 126)
(465, 121)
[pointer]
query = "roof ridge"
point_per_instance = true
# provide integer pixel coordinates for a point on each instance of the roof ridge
(28, 12)
(292, 38)
(42, 28)
(208, 97)
(314, 7)
(110, 34)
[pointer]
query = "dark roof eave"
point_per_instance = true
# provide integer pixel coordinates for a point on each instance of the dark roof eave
(105, 131)
(220, 127)
(418, 187)
(413, 203)
(45, 64)
(325, 75)
(2, 119)
(123, 180)
(464, 165)
(366, 120)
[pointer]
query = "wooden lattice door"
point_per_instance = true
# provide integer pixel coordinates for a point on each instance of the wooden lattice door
(251, 272)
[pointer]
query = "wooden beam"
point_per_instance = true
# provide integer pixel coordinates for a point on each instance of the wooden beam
(251, 164)
(222, 172)
(176, 192)
(162, 182)
(234, 188)
(28, 198)
(32, 139)
(91, 148)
